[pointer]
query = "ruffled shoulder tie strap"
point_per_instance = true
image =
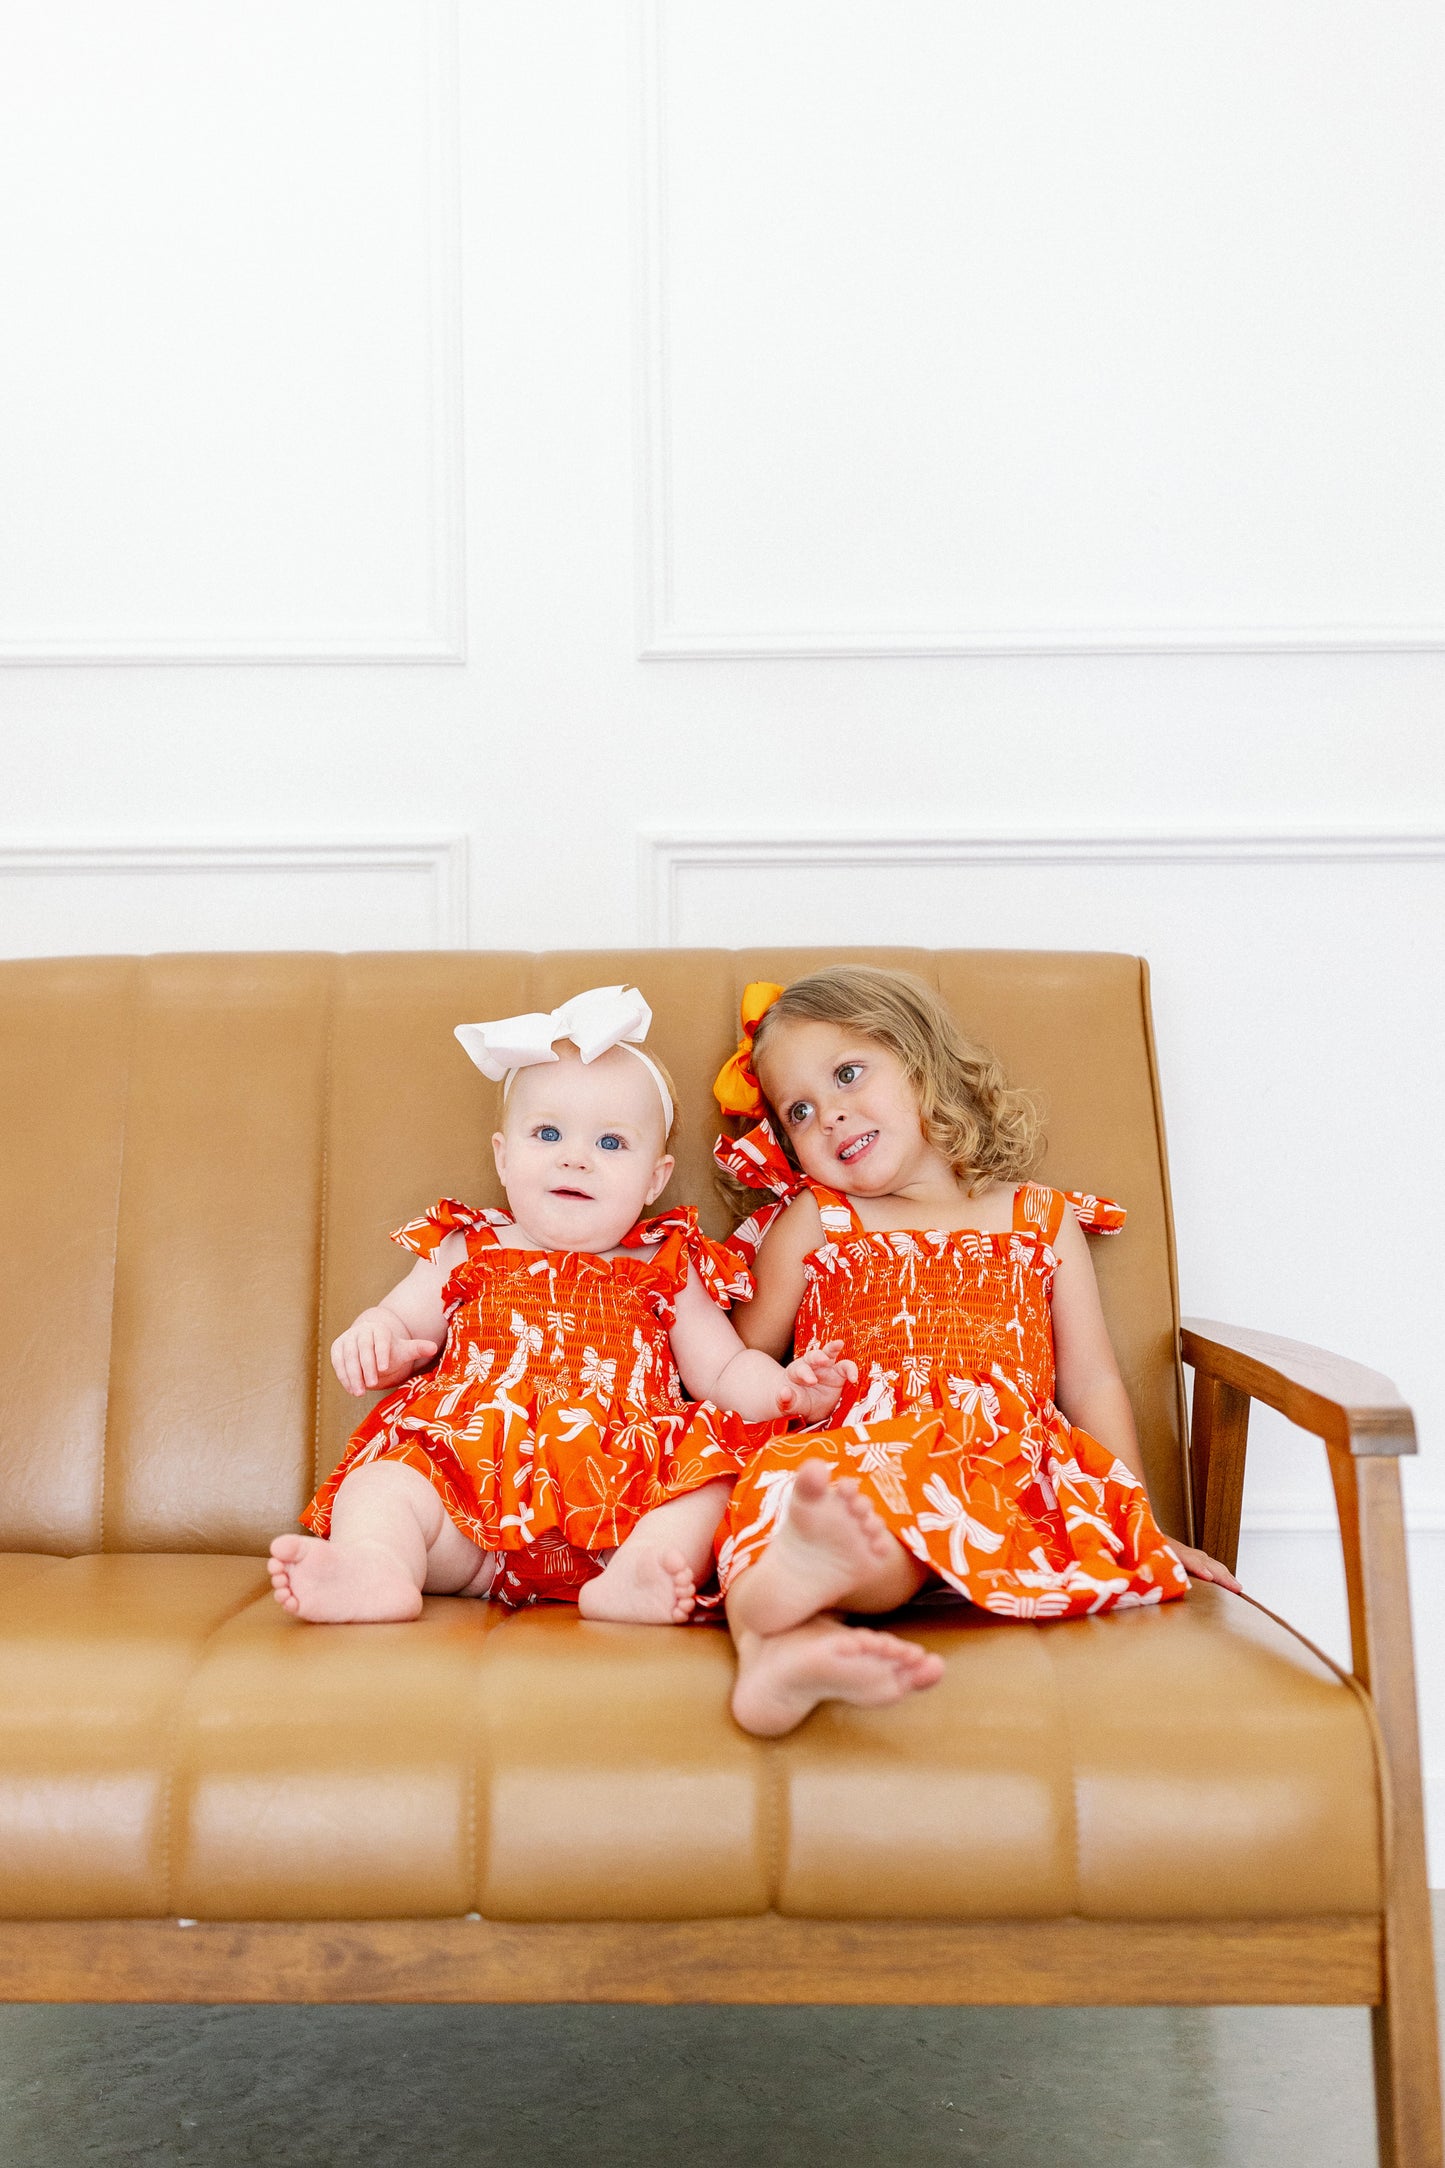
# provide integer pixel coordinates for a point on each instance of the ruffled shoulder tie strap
(758, 1161)
(721, 1266)
(836, 1212)
(1038, 1210)
(449, 1216)
(1096, 1215)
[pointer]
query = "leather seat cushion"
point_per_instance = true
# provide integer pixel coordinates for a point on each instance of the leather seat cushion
(176, 1745)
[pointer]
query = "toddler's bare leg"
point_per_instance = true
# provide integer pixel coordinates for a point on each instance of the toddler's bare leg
(391, 1537)
(783, 1677)
(651, 1579)
(831, 1552)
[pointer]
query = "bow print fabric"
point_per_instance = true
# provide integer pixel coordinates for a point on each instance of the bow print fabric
(554, 1417)
(952, 1429)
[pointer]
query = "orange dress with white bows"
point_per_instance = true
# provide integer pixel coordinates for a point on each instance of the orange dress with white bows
(554, 1418)
(951, 1428)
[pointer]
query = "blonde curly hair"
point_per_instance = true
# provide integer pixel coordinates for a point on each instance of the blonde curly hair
(986, 1129)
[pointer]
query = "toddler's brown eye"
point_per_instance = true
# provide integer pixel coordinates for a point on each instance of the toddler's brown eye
(847, 1072)
(799, 1112)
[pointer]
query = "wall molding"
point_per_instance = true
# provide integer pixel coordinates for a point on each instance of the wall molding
(665, 859)
(442, 638)
(661, 637)
(443, 859)
(1283, 1517)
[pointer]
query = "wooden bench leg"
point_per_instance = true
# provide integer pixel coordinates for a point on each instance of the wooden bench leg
(1407, 2054)
(1406, 2042)
(1407, 2045)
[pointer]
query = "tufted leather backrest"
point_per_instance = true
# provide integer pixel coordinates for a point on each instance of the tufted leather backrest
(201, 1158)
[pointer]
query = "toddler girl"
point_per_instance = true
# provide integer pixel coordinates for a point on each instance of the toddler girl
(549, 1453)
(988, 1442)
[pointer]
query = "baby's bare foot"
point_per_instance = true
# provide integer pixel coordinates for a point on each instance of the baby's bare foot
(831, 1540)
(641, 1588)
(783, 1677)
(340, 1583)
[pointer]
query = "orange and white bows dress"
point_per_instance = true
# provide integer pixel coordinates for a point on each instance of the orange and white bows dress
(951, 1428)
(554, 1417)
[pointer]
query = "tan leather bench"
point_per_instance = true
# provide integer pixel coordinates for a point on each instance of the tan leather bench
(204, 1800)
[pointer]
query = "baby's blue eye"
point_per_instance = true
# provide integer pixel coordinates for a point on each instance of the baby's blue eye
(612, 1143)
(549, 1133)
(848, 1072)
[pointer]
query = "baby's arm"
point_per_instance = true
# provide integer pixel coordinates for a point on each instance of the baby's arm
(716, 1366)
(1088, 1385)
(403, 1331)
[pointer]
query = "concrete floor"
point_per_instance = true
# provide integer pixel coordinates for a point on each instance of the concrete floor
(629, 2088)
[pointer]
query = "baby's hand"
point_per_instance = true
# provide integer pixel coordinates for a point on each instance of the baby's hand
(1201, 1567)
(815, 1381)
(375, 1351)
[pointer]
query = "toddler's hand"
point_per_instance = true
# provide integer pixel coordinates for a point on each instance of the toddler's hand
(374, 1352)
(1201, 1567)
(815, 1382)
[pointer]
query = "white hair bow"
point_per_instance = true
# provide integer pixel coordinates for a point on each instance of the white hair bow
(603, 1017)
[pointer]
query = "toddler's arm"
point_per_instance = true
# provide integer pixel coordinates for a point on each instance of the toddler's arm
(767, 1321)
(403, 1331)
(1088, 1386)
(716, 1366)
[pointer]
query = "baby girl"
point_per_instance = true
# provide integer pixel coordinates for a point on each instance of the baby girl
(534, 1441)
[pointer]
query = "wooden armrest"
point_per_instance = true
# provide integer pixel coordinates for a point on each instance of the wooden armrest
(1365, 1426)
(1358, 1413)
(1337, 1400)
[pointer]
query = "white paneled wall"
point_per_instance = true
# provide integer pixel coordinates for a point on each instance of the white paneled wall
(133, 899)
(1052, 347)
(963, 472)
(238, 273)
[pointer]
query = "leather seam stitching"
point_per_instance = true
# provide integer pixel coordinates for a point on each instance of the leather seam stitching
(481, 1740)
(773, 1822)
(1065, 1726)
(172, 1736)
(115, 1253)
(474, 1879)
(322, 1206)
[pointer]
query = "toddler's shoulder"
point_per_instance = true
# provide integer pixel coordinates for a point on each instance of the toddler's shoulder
(798, 1226)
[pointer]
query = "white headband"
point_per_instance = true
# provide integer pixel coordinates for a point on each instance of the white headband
(603, 1017)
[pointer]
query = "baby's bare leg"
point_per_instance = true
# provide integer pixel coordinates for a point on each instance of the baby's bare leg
(651, 1579)
(831, 1552)
(391, 1538)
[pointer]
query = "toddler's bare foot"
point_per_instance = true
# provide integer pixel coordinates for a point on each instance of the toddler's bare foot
(783, 1677)
(340, 1583)
(831, 1540)
(641, 1588)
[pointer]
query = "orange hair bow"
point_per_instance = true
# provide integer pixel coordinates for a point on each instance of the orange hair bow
(736, 1089)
